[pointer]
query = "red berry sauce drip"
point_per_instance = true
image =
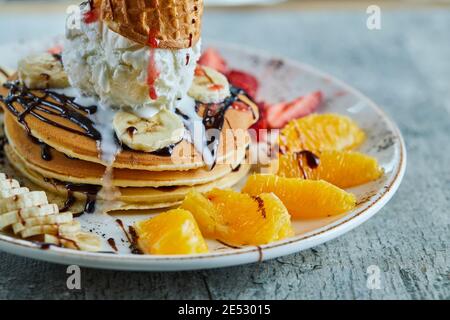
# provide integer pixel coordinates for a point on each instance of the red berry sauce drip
(92, 15)
(215, 87)
(152, 71)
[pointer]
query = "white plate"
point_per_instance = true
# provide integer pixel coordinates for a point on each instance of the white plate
(283, 79)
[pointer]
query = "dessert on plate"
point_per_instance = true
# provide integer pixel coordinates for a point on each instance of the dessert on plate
(130, 116)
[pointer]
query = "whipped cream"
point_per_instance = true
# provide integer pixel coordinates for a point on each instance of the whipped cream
(104, 64)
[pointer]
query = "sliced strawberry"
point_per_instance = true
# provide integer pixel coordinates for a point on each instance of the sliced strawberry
(280, 114)
(244, 81)
(212, 58)
(261, 126)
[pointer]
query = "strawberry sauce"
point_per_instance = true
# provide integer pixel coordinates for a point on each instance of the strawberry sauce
(92, 15)
(215, 87)
(152, 70)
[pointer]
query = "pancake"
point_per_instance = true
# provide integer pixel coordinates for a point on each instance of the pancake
(62, 168)
(70, 139)
(130, 198)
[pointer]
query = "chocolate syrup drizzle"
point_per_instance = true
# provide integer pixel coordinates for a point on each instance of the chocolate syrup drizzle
(214, 118)
(112, 244)
(89, 190)
(131, 236)
(45, 151)
(3, 141)
(65, 107)
(132, 131)
(312, 160)
(163, 152)
(36, 103)
(47, 246)
(57, 57)
(236, 169)
(61, 106)
(261, 207)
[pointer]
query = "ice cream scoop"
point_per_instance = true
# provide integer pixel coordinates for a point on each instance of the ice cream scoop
(122, 72)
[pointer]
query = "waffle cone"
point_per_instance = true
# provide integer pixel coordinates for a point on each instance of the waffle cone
(173, 24)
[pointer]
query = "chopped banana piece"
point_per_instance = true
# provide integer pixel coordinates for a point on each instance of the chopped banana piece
(81, 241)
(6, 192)
(57, 219)
(209, 86)
(42, 71)
(9, 184)
(9, 218)
(162, 130)
(59, 230)
(21, 201)
(29, 215)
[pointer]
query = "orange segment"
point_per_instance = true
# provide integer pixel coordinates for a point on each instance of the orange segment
(304, 199)
(203, 211)
(344, 169)
(239, 219)
(172, 232)
(320, 132)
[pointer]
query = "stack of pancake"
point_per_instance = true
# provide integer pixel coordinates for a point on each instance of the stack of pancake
(49, 144)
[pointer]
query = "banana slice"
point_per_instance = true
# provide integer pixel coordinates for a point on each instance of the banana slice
(16, 216)
(6, 193)
(9, 184)
(57, 219)
(162, 130)
(30, 215)
(20, 201)
(209, 86)
(61, 230)
(81, 241)
(42, 71)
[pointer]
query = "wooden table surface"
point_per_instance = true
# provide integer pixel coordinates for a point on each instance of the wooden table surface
(405, 67)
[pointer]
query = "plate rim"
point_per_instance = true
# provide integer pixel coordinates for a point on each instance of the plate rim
(245, 255)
